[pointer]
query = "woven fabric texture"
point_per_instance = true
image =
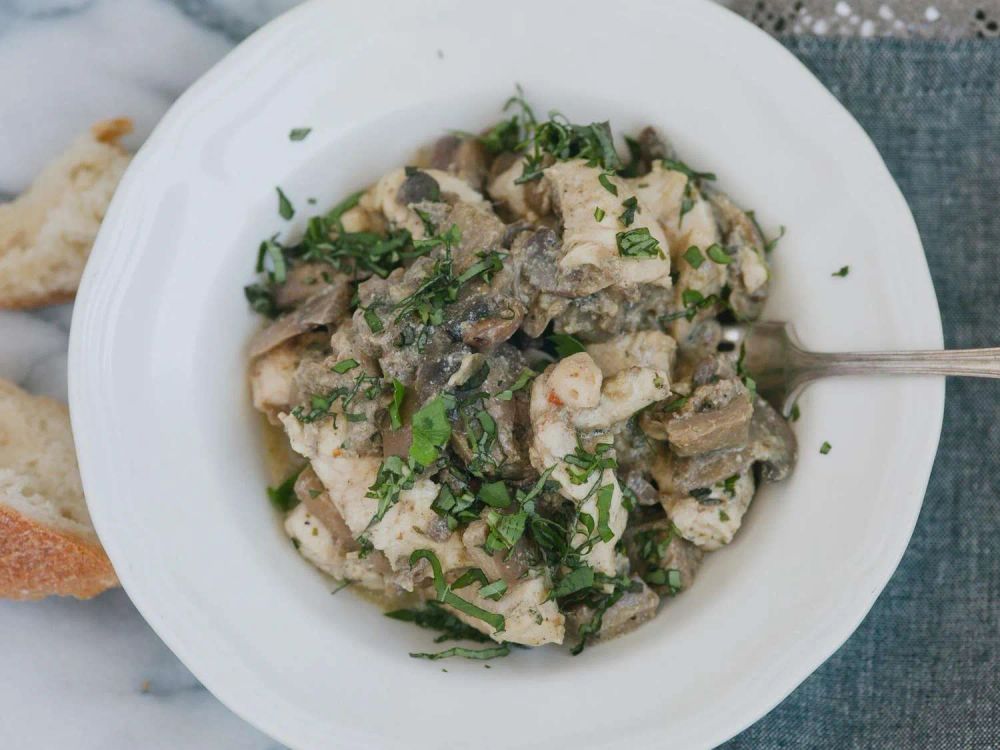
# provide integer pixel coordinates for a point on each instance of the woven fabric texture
(923, 670)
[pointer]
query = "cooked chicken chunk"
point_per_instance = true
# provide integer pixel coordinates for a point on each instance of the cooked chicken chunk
(531, 618)
(711, 519)
(577, 192)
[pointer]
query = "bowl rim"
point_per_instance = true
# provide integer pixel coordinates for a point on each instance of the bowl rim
(95, 301)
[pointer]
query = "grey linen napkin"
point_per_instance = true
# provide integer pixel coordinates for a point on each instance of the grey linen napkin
(923, 670)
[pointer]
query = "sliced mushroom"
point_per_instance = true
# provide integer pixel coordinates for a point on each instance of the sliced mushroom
(636, 606)
(484, 320)
(771, 443)
(715, 417)
(322, 309)
(461, 156)
(417, 187)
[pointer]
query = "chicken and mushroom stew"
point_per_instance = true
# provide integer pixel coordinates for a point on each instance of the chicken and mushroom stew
(500, 376)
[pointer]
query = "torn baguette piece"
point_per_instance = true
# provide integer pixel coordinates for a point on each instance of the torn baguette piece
(47, 543)
(47, 232)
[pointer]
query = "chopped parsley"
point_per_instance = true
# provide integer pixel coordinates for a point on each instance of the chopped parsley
(446, 596)
(522, 381)
(299, 134)
(825, 448)
(718, 254)
(433, 616)
(345, 366)
(431, 429)
(694, 257)
(577, 579)
(394, 476)
(283, 496)
(631, 206)
(495, 494)
(565, 345)
(795, 413)
(842, 272)
(599, 214)
(489, 652)
(638, 243)
(398, 394)
(320, 405)
(285, 209)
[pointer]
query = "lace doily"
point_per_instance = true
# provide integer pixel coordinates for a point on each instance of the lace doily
(938, 19)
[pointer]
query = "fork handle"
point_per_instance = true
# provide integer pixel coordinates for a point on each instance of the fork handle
(979, 363)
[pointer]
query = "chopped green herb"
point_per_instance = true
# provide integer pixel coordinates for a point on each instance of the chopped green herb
(675, 403)
(679, 166)
(604, 497)
(394, 476)
(718, 254)
(565, 344)
(631, 206)
(729, 484)
(842, 272)
(273, 252)
(342, 585)
(489, 652)
(446, 596)
(694, 257)
(373, 321)
(770, 244)
(795, 413)
(283, 496)
(398, 394)
(523, 379)
(299, 134)
(585, 463)
(638, 243)
(607, 184)
(495, 494)
(494, 590)
(825, 448)
(577, 579)
(261, 299)
(692, 297)
(433, 616)
(505, 530)
(285, 209)
(345, 365)
(431, 430)
(599, 214)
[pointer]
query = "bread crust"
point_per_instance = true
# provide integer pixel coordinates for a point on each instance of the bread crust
(37, 561)
(46, 233)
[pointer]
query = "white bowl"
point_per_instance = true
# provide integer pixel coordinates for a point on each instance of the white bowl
(170, 451)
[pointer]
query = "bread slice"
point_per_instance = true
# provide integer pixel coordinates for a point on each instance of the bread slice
(46, 233)
(47, 543)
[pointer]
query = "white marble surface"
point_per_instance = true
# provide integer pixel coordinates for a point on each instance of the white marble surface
(92, 675)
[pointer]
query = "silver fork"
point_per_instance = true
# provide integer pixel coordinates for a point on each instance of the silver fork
(775, 359)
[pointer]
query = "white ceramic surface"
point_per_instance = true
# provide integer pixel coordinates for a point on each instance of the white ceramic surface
(170, 452)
